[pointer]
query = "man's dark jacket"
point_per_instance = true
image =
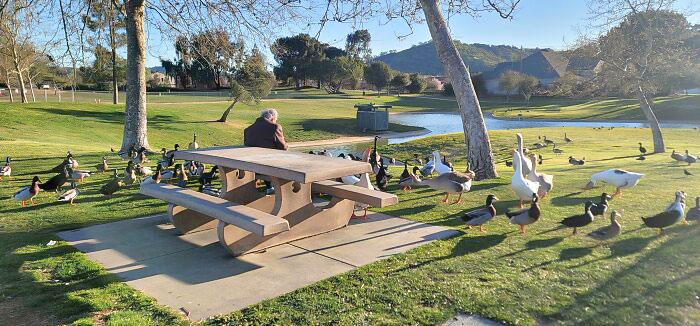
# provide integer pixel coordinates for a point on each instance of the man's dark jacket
(265, 134)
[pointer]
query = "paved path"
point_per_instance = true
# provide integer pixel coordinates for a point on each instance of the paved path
(470, 320)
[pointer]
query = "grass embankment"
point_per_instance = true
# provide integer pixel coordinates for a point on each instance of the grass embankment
(641, 278)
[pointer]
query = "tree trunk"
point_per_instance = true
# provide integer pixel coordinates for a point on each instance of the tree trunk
(226, 113)
(9, 88)
(113, 44)
(23, 95)
(475, 134)
(31, 88)
(644, 104)
(135, 118)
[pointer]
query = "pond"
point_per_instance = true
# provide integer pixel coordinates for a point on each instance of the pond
(446, 123)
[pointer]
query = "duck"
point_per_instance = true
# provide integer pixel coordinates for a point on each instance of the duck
(59, 168)
(382, 177)
(642, 149)
(142, 170)
(546, 181)
(672, 215)
(440, 166)
(690, 158)
(601, 207)
(538, 145)
(449, 183)
(209, 190)
(130, 174)
(193, 144)
(57, 181)
(28, 193)
(481, 216)
(6, 170)
(409, 182)
(567, 139)
(608, 232)
(374, 158)
(168, 157)
(417, 160)
(677, 157)
(70, 194)
(581, 220)
(181, 176)
(78, 174)
(525, 165)
(140, 157)
(364, 182)
(428, 169)
(547, 141)
(574, 161)
(112, 185)
(405, 179)
(694, 213)
(522, 187)
(102, 167)
(155, 178)
(556, 150)
(208, 177)
(619, 178)
(72, 161)
(527, 216)
(509, 163)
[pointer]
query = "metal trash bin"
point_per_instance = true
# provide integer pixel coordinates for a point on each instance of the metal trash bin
(370, 118)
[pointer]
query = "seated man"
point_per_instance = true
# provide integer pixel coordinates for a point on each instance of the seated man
(266, 133)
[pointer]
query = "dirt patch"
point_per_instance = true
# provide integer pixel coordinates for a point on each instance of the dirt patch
(13, 311)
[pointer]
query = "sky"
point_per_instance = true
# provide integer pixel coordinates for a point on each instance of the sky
(555, 24)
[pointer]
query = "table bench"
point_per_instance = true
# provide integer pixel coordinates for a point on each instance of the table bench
(246, 219)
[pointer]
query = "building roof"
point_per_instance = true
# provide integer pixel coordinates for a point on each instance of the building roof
(543, 64)
(582, 63)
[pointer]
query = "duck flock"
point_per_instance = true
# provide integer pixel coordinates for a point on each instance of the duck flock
(435, 172)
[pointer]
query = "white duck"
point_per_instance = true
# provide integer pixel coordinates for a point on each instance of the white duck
(546, 181)
(522, 187)
(440, 167)
(70, 194)
(6, 170)
(526, 164)
(616, 177)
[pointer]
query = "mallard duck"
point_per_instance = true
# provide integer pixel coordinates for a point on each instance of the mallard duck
(547, 141)
(642, 149)
(112, 185)
(690, 158)
(677, 157)
(193, 144)
(538, 145)
(72, 161)
(59, 168)
(6, 170)
(440, 166)
(405, 179)
(581, 220)
(694, 213)
(672, 215)
(142, 170)
(155, 178)
(417, 160)
(567, 139)
(28, 193)
(522, 187)
(139, 157)
(601, 207)
(556, 150)
(78, 174)
(57, 181)
(129, 174)
(545, 181)
(574, 161)
(609, 231)
(481, 216)
(449, 183)
(616, 177)
(525, 216)
(525, 165)
(181, 175)
(102, 167)
(409, 182)
(70, 194)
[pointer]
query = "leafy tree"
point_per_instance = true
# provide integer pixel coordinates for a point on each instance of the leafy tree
(295, 56)
(357, 44)
(340, 70)
(509, 82)
(378, 74)
(527, 85)
(400, 81)
(101, 71)
(417, 84)
(250, 83)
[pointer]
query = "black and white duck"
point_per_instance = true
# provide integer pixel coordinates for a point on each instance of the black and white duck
(574, 161)
(672, 215)
(526, 216)
(608, 232)
(677, 156)
(481, 216)
(70, 195)
(208, 177)
(690, 158)
(382, 178)
(621, 179)
(581, 220)
(374, 157)
(601, 207)
(28, 193)
(6, 170)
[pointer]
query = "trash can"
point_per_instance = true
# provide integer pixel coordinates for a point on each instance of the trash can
(369, 117)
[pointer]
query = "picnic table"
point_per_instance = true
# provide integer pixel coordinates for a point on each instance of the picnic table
(248, 220)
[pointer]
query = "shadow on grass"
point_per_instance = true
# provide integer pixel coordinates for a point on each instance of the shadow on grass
(536, 244)
(108, 116)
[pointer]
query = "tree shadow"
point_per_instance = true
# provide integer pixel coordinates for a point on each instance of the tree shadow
(116, 117)
(565, 255)
(536, 244)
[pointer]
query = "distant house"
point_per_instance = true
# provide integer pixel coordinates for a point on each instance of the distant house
(545, 65)
(161, 79)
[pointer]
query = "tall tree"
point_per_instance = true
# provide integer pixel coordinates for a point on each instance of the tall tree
(647, 45)
(378, 74)
(102, 73)
(400, 81)
(250, 83)
(295, 56)
(106, 22)
(357, 44)
(339, 71)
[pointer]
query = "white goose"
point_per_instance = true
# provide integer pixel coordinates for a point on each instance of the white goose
(522, 187)
(616, 177)
(440, 167)
(525, 163)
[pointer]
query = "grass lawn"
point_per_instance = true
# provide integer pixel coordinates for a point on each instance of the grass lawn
(547, 276)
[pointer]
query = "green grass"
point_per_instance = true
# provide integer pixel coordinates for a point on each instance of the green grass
(641, 278)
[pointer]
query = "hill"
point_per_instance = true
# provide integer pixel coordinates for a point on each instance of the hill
(423, 58)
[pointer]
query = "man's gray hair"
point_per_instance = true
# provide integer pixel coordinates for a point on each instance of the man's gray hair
(268, 114)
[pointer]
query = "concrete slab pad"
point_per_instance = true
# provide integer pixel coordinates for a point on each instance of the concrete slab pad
(368, 240)
(471, 320)
(196, 273)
